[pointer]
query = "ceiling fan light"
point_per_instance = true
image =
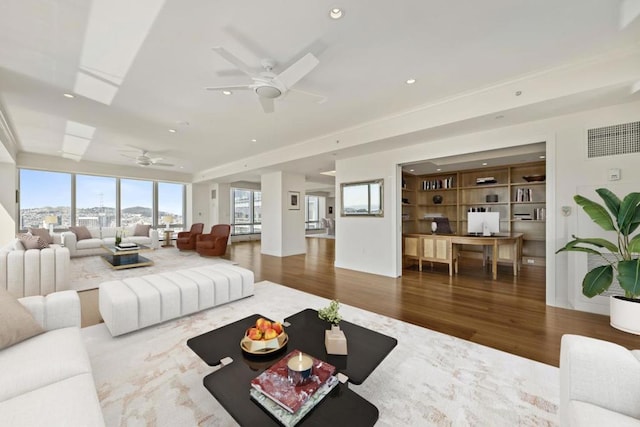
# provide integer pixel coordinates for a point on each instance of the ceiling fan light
(268, 92)
(336, 13)
(226, 92)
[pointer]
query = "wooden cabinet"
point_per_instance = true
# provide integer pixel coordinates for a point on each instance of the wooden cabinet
(517, 192)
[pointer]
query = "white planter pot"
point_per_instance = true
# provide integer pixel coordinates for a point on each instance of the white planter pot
(625, 315)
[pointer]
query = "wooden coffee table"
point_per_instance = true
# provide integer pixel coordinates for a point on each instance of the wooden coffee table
(119, 259)
(342, 406)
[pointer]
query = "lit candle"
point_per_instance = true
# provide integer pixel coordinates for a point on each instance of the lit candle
(300, 368)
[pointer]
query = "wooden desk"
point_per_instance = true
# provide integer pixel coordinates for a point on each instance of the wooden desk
(444, 248)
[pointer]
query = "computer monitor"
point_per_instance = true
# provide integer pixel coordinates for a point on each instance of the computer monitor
(483, 223)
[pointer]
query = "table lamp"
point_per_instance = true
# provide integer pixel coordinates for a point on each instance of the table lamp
(50, 220)
(167, 219)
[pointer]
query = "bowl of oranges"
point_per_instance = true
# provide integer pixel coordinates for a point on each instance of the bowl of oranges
(264, 337)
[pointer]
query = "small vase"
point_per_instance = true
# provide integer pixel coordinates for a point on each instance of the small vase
(437, 199)
(334, 341)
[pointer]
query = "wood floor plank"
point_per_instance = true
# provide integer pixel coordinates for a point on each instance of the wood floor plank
(508, 314)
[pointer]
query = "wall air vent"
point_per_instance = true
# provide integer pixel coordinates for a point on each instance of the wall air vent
(613, 140)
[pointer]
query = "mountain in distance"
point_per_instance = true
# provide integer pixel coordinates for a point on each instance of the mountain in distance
(138, 210)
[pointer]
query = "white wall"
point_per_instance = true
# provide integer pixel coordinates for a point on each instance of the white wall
(282, 228)
(7, 202)
(199, 209)
(368, 243)
(372, 244)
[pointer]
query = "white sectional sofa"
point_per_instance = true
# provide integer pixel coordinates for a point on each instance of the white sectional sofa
(47, 380)
(34, 271)
(106, 236)
(131, 304)
(599, 383)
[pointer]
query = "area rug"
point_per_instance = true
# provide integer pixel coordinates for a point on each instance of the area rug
(150, 377)
(87, 272)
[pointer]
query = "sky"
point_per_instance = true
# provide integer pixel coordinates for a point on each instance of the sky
(39, 188)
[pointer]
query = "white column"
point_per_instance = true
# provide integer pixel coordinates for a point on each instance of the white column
(7, 202)
(283, 231)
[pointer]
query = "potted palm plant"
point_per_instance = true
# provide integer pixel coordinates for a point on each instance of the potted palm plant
(621, 217)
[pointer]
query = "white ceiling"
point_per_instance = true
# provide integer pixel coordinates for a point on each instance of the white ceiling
(140, 68)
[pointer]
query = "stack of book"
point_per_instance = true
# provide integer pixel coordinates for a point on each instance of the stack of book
(126, 246)
(287, 402)
(486, 180)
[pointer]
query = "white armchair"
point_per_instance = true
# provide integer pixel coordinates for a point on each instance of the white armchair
(599, 383)
(54, 311)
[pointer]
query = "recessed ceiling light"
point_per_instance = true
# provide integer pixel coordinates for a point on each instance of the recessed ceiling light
(336, 13)
(518, 92)
(410, 81)
(543, 157)
(499, 117)
(412, 170)
(254, 140)
(484, 163)
(226, 92)
(439, 169)
(68, 95)
(172, 130)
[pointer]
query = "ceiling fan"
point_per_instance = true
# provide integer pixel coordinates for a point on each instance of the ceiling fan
(144, 159)
(268, 85)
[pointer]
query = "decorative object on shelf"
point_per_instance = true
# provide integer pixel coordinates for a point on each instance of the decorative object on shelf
(334, 340)
(486, 180)
(491, 198)
(620, 217)
(405, 201)
(434, 227)
(534, 178)
(437, 199)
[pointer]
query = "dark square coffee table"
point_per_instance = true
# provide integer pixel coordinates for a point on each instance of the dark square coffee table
(230, 384)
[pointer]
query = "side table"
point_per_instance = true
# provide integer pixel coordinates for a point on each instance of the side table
(167, 238)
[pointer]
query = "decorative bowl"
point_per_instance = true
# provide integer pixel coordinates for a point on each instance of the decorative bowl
(263, 346)
(534, 178)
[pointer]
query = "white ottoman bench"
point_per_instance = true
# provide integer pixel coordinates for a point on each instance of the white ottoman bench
(131, 304)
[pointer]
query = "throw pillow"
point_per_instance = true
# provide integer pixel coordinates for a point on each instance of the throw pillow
(43, 233)
(32, 242)
(141, 230)
(81, 232)
(16, 323)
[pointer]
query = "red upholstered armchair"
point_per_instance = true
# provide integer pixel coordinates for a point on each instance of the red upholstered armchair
(187, 239)
(215, 243)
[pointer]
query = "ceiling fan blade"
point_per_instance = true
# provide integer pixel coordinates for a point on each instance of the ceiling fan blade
(320, 99)
(298, 70)
(234, 60)
(267, 104)
(128, 157)
(221, 88)
(132, 148)
(156, 159)
(163, 164)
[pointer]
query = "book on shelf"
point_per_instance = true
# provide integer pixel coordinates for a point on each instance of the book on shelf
(274, 383)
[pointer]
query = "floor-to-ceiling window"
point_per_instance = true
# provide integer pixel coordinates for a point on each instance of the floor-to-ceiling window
(63, 199)
(95, 201)
(136, 202)
(170, 204)
(315, 211)
(44, 197)
(246, 211)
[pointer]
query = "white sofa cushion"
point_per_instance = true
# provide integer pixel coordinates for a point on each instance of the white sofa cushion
(42, 360)
(588, 415)
(71, 402)
(35, 272)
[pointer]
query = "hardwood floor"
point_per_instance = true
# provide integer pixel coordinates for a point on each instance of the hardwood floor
(508, 314)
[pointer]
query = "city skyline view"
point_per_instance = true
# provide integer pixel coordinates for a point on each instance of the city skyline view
(44, 194)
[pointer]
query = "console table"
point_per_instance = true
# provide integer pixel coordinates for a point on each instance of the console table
(444, 248)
